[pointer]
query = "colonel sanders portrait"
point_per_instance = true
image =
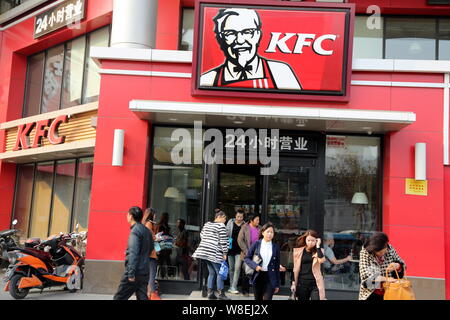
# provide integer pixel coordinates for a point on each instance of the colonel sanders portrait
(238, 32)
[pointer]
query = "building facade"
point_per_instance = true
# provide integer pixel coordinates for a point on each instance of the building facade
(95, 96)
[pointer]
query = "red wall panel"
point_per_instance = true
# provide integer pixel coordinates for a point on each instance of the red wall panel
(447, 228)
(168, 24)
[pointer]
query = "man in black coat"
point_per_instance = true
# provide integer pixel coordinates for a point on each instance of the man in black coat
(140, 244)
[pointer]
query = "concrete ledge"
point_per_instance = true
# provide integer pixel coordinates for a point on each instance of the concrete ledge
(428, 288)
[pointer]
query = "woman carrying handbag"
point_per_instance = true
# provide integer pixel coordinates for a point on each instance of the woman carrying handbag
(264, 258)
(213, 248)
(378, 262)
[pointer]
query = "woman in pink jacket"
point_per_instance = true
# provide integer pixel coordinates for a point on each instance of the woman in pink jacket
(307, 282)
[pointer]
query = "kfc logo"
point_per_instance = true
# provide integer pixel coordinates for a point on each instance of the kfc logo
(238, 32)
(292, 50)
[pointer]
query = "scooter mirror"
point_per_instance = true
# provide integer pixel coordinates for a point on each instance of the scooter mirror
(14, 222)
(77, 227)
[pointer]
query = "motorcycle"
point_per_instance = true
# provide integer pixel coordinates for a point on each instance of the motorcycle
(8, 239)
(50, 263)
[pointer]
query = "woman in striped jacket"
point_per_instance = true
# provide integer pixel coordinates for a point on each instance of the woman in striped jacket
(213, 248)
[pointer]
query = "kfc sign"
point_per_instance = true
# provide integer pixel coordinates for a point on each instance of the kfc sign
(275, 50)
(42, 129)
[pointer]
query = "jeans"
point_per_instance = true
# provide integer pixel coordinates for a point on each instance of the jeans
(164, 260)
(213, 275)
(235, 263)
(151, 281)
(127, 288)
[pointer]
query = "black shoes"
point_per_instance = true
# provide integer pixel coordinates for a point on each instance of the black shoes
(211, 295)
(222, 295)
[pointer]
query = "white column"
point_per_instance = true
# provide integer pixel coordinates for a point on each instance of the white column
(134, 24)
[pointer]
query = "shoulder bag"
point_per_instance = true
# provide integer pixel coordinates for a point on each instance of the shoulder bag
(398, 290)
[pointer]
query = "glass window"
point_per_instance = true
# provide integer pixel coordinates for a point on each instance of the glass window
(83, 193)
(410, 38)
(40, 212)
(444, 39)
(73, 73)
(22, 203)
(51, 94)
(187, 33)
(99, 38)
(177, 190)
(62, 196)
(62, 76)
(352, 205)
(42, 203)
(368, 38)
(34, 84)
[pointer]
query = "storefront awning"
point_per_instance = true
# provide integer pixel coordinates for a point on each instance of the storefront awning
(271, 117)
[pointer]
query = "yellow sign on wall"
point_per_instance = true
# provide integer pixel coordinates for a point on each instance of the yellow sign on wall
(417, 187)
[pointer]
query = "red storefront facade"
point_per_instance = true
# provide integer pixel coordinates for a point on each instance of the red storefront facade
(144, 88)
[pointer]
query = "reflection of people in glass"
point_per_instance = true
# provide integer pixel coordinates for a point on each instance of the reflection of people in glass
(307, 278)
(333, 265)
(238, 32)
(234, 253)
(248, 235)
(182, 259)
(165, 240)
(375, 259)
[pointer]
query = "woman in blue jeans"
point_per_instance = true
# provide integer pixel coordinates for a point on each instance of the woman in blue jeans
(213, 248)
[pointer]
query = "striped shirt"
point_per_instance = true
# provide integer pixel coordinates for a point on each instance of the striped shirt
(214, 242)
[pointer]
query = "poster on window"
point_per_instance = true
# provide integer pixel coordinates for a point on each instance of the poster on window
(277, 50)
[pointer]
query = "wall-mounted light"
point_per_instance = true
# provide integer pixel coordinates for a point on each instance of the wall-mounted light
(421, 161)
(117, 158)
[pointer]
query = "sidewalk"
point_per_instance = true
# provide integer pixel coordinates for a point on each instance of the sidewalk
(60, 294)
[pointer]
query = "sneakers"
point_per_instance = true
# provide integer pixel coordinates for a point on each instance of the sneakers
(233, 290)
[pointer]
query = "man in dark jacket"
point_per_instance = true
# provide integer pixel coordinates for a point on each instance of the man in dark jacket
(137, 267)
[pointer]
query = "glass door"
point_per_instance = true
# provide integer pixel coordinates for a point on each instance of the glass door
(291, 201)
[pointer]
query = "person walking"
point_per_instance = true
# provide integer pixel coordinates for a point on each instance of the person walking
(248, 235)
(266, 278)
(213, 248)
(375, 259)
(234, 252)
(149, 221)
(307, 277)
(140, 244)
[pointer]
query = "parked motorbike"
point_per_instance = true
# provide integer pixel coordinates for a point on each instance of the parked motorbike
(50, 263)
(8, 239)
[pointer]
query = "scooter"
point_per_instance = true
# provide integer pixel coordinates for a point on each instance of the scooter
(54, 262)
(8, 239)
